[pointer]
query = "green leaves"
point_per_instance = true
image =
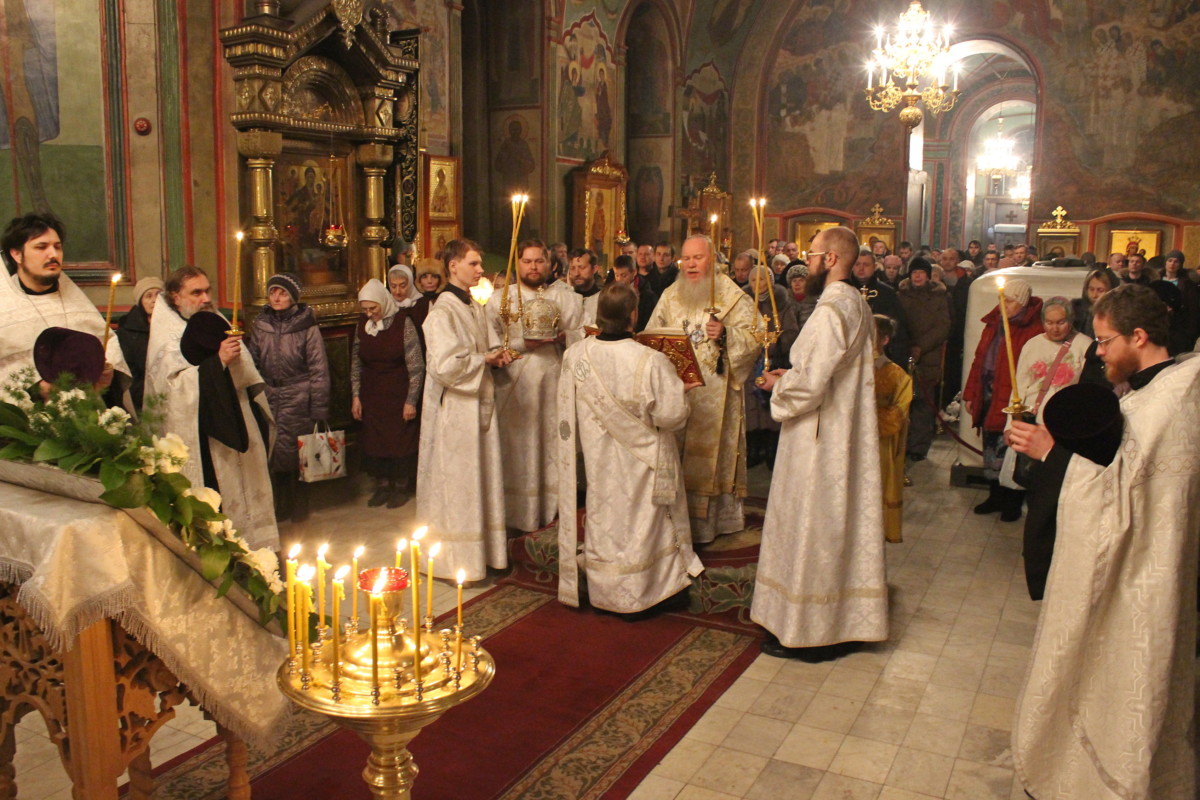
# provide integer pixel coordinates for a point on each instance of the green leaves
(51, 450)
(9, 432)
(133, 493)
(213, 561)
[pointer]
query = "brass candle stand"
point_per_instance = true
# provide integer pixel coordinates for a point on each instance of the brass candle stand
(766, 336)
(384, 687)
(511, 274)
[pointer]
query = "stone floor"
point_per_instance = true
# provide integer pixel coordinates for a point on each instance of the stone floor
(926, 714)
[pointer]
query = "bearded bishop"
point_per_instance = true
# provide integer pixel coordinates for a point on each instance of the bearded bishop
(527, 391)
(714, 441)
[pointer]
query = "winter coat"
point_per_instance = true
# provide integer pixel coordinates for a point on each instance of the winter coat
(133, 332)
(885, 301)
(290, 353)
(928, 315)
(1024, 327)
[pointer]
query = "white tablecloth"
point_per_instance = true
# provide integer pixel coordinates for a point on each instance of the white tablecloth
(79, 562)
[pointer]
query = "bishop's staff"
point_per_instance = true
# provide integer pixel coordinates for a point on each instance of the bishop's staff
(507, 316)
(769, 334)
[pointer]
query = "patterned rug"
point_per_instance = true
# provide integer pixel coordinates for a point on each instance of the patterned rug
(583, 705)
(720, 595)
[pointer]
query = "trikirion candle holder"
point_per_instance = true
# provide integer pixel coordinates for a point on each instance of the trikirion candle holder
(379, 683)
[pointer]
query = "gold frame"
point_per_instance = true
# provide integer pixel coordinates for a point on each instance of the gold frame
(606, 176)
(450, 232)
(1119, 239)
(448, 166)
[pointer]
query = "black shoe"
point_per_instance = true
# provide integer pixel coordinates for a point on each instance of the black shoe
(382, 493)
(810, 655)
(1011, 502)
(396, 498)
(915, 457)
(676, 602)
(995, 499)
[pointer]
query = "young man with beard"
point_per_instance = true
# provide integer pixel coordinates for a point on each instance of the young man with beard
(527, 391)
(714, 447)
(582, 277)
(820, 586)
(1108, 705)
(213, 398)
(38, 295)
(665, 270)
(460, 489)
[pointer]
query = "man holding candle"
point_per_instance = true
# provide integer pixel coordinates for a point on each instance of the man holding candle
(460, 490)
(820, 585)
(39, 295)
(714, 446)
(214, 399)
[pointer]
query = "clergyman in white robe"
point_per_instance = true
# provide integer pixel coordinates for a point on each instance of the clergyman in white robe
(243, 480)
(1107, 710)
(623, 400)
(460, 495)
(821, 577)
(526, 398)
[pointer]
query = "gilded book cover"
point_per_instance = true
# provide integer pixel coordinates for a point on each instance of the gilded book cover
(676, 347)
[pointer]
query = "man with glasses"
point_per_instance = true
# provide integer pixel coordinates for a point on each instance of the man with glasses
(820, 587)
(527, 391)
(1108, 704)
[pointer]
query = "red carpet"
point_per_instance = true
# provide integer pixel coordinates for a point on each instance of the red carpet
(583, 705)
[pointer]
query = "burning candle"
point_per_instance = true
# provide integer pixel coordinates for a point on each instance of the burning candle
(304, 592)
(461, 576)
(237, 279)
(1012, 365)
(376, 603)
(415, 579)
(112, 292)
(358, 551)
(322, 565)
(712, 268)
(339, 593)
(401, 546)
(290, 596)
(433, 551)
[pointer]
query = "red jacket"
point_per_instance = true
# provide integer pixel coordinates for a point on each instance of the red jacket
(1024, 327)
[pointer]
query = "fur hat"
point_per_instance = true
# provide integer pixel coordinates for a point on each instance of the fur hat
(289, 282)
(798, 271)
(63, 350)
(921, 264)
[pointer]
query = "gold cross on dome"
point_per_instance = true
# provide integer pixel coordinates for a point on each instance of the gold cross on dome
(1058, 215)
(876, 210)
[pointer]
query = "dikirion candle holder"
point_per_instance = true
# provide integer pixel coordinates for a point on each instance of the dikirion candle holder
(386, 681)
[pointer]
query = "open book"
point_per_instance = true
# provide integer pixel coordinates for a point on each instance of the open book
(678, 348)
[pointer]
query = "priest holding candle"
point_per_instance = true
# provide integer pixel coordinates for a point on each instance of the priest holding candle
(991, 384)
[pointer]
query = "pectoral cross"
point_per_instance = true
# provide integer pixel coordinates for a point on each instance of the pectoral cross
(868, 294)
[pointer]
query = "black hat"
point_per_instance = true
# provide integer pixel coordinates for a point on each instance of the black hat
(289, 282)
(59, 350)
(1086, 419)
(1169, 293)
(922, 264)
(203, 336)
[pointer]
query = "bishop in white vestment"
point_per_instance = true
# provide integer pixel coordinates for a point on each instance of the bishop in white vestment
(622, 401)
(527, 394)
(821, 578)
(242, 477)
(460, 494)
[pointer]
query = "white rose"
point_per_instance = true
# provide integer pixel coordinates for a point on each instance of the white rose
(149, 459)
(114, 420)
(265, 561)
(205, 495)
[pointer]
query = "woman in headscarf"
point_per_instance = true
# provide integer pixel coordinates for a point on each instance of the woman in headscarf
(404, 291)
(133, 332)
(288, 348)
(989, 388)
(387, 371)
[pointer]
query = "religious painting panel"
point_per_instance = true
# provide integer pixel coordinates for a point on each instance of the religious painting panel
(516, 37)
(599, 209)
(441, 186)
(1057, 246)
(587, 83)
(516, 168)
(55, 146)
(440, 234)
(648, 69)
(803, 231)
(650, 179)
(311, 191)
(725, 19)
(1133, 242)
(868, 236)
(705, 123)
(433, 22)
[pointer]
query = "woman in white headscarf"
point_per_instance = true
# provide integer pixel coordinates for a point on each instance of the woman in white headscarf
(387, 371)
(409, 297)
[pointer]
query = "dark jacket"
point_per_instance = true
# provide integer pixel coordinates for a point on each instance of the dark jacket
(290, 353)
(887, 302)
(928, 317)
(1024, 327)
(133, 332)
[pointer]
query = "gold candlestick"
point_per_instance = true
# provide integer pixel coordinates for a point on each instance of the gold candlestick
(461, 576)
(769, 334)
(112, 292)
(1016, 406)
(234, 330)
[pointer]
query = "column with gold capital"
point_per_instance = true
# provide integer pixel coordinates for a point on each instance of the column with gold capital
(374, 159)
(260, 149)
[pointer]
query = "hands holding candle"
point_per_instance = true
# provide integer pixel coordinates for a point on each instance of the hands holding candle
(1016, 407)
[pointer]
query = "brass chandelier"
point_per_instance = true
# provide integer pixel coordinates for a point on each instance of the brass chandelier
(913, 51)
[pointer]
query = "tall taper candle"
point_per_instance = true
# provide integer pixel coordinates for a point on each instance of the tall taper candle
(1012, 365)
(290, 596)
(358, 551)
(376, 602)
(322, 565)
(339, 592)
(304, 601)
(401, 547)
(112, 292)
(461, 576)
(414, 578)
(434, 549)
(237, 279)
(712, 268)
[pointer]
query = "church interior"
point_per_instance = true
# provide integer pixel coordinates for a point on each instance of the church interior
(333, 136)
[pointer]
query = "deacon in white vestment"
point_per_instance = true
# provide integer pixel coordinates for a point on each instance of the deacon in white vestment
(39, 296)
(622, 401)
(1108, 706)
(527, 393)
(242, 478)
(821, 579)
(460, 494)
(583, 277)
(714, 444)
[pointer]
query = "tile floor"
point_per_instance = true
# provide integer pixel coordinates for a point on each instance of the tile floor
(926, 714)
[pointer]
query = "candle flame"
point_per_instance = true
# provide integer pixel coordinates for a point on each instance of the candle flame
(239, 236)
(116, 277)
(435, 549)
(482, 291)
(1000, 282)
(420, 532)
(322, 550)
(380, 582)
(460, 576)
(340, 575)
(713, 218)
(294, 552)
(306, 573)
(401, 545)
(358, 551)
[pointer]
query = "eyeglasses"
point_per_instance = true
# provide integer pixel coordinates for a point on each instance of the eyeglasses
(1104, 342)
(814, 253)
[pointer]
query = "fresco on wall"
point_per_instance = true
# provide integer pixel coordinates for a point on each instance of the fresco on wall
(705, 124)
(586, 88)
(514, 74)
(516, 139)
(45, 165)
(431, 19)
(726, 18)
(648, 71)
(650, 184)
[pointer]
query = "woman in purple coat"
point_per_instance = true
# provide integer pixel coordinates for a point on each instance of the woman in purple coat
(290, 353)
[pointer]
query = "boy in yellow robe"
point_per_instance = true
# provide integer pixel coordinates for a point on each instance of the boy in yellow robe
(893, 396)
